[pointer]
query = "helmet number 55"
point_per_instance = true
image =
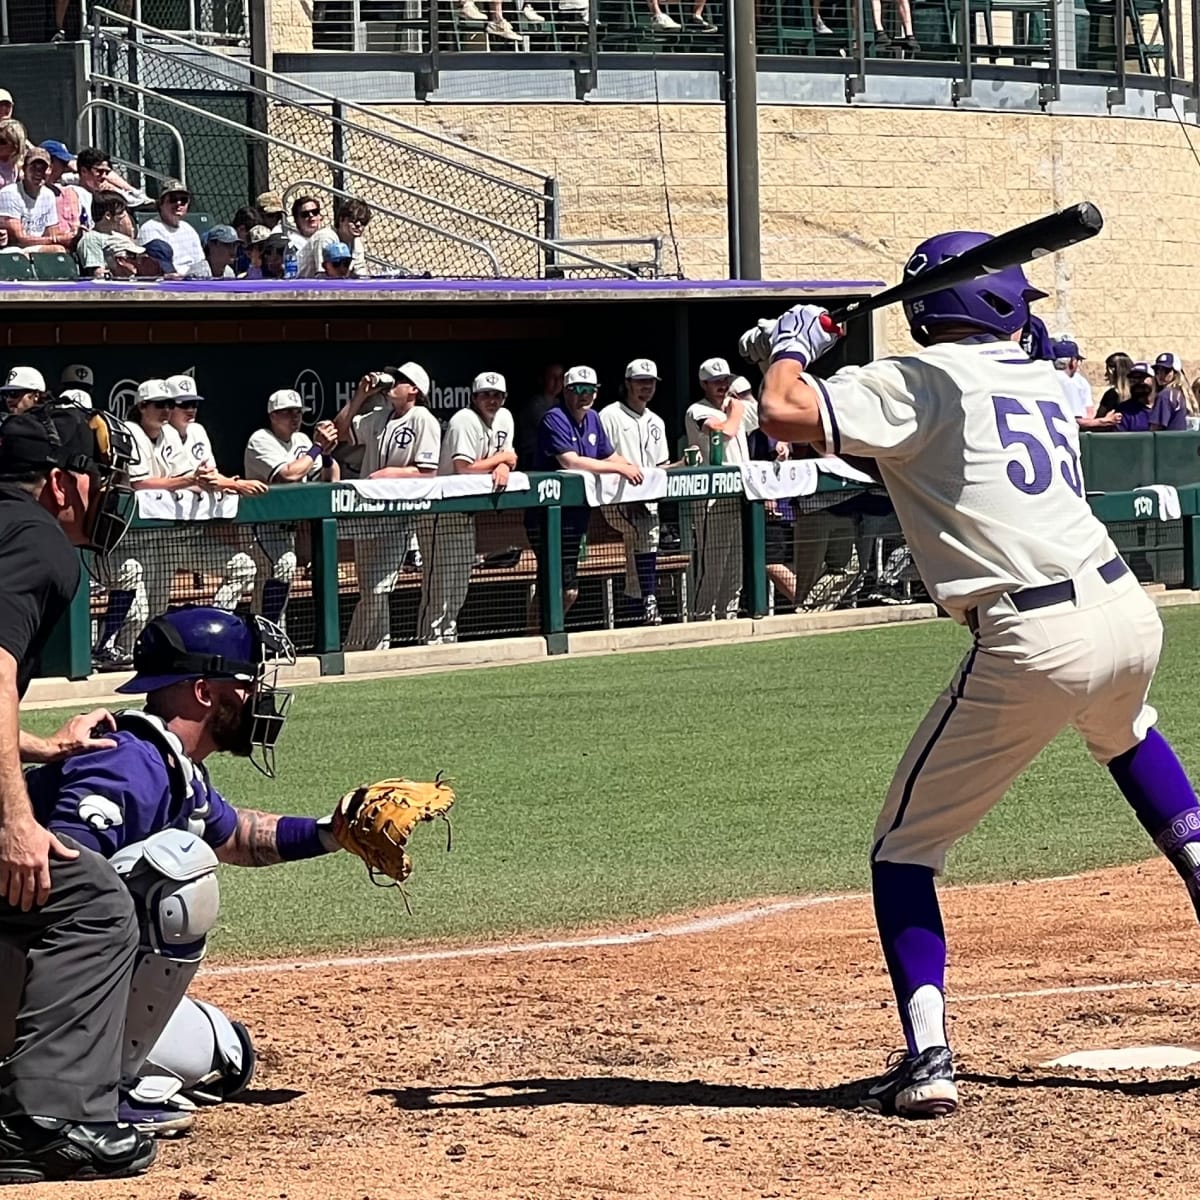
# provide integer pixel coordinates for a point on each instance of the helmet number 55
(1039, 444)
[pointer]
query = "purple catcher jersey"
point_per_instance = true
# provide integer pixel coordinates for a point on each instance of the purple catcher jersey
(110, 799)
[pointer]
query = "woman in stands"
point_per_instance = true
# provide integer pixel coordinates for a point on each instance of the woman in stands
(1116, 375)
(12, 150)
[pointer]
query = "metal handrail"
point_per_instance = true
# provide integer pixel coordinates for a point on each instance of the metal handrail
(191, 31)
(347, 168)
(295, 85)
(314, 185)
(85, 115)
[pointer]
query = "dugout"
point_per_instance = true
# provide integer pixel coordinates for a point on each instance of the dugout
(244, 339)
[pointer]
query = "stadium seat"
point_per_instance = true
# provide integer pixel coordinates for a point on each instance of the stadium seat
(14, 267)
(54, 267)
(200, 222)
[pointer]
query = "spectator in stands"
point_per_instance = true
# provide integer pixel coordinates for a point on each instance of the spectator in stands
(157, 260)
(350, 221)
(28, 211)
(220, 249)
(93, 174)
(883, 40)
(1171, 399)
(571, 438)
(12, 150)
(497, 26)
(306, 219)
(1077, 392)
(281, 454)
(270, 204)
(530, 420)
(336, 259)
(61, 8)
(1116, 374)
(6, 104)
(639, 436)
(255, 241)
(171, 227)
(73, 215)
(108, 249)
(244, 220)
(273, 252)
(23, 388)
(1132, 415)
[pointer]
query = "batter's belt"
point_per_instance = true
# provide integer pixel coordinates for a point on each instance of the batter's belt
(1062, 592)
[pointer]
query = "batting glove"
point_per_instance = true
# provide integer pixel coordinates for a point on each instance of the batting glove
(804, 332)
(755, 344)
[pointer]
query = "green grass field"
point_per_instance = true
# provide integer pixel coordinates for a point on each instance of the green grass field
(628, 785)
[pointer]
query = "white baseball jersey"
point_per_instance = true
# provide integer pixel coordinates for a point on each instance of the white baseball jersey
(736, 449)
(265, 454)
(469, 438)
(197, 446)
(413, 440)
(980, 460)
(1077, 393)
(638, 438)
(162, 458)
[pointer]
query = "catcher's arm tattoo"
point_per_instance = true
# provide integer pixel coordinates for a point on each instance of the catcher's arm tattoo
(254, 841)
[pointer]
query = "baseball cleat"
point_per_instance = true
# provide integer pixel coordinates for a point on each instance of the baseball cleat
(35, 1149)
(168, 1119)
(919, 1085)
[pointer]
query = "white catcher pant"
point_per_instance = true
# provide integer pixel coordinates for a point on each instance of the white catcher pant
(1086, 664)
(718, 559)
(447, 542)
(639, 529)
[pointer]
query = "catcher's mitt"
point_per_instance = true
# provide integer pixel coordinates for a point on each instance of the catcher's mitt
(375, 822)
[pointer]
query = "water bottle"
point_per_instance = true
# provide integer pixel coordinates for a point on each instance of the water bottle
(291, 263)
(716, 449)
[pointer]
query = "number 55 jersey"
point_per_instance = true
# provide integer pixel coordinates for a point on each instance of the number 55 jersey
(981, 462)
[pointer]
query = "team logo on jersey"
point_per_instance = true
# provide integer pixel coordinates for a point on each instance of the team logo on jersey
(402, 437)
(591, 437)
(100, 812)
(655, 433)
(198, 451)
(501, 438)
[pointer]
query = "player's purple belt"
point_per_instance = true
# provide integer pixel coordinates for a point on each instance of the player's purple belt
(1063, 592)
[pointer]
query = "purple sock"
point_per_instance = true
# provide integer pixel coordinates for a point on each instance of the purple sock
(647, 573)
(119, 604)
(1153, 780)
(910, 930)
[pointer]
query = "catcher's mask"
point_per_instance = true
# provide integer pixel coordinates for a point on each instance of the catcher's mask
(210, 643)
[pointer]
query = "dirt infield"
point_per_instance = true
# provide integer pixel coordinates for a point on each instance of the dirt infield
(717, 1064)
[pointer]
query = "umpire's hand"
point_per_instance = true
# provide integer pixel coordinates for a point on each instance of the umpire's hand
(25, 852)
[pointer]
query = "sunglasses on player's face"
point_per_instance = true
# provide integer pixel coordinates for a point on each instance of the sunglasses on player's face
(164, 402)
(192, 403)
(179, 199)
(582, 389)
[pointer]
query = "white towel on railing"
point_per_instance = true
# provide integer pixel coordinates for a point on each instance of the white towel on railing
(1168, 500)
(615, 489)
(434, 487)
(187, 506)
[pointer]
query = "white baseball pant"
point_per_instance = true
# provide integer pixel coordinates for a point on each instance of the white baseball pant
(447, 543)
(639, 529)
(379, 549)
(718, 579)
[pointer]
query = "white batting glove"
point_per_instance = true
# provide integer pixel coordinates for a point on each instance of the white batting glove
(755, 344)
(804, 332)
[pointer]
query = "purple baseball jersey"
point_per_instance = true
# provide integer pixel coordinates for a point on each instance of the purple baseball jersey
(109, 799)
(1170, 409)
(558, 434)
(1135, 416)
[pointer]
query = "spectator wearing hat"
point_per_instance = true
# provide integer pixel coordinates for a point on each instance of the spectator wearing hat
(73, 215)
(639, 435)
(281, 454)
(1131, 415)
(350, 222)
(157, 259)
(23, 388)
(256, 239)
(220, 249)
(718, 427)
(335, 260)
(1170, 410)
(111, 237)
(244, 220)
(6, 104)
(75, 398)
(273, 255)
(270, 204)
(306, 220)
(1077, 392)
(28, 209)
(77, 375)
(571, 437)
(13, 143)
(171, 226)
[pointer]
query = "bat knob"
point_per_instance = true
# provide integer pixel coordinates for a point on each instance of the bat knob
(831, 326)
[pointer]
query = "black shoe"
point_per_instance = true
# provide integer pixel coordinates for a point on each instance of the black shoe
(698, 24)
(910, 45)
(33, 1149)
(109, 658)
(919, 1085)
(882, 41)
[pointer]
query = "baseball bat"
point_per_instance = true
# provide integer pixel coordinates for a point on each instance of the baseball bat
(1021, 245)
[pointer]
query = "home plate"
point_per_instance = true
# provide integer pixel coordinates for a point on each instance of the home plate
(1129, 1058)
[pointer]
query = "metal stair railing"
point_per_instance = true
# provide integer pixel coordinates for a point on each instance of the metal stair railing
(83, 126)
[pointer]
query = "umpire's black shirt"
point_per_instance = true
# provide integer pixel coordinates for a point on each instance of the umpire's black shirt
(39, 572)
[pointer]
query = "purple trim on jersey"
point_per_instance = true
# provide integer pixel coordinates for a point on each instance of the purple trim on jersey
(791, 356)
(833, 425)
(559, 434)
(923, 757)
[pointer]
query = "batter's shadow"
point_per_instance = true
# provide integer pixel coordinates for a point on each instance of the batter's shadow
(1122, 1087)
(618, 1091)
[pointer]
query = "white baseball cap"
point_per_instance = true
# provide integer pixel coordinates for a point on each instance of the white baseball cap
(151, 389)
(182, 387)
(76, 396)
(5, 95)
(78, 376)
(714, 368)
(642, 368)
(24, 379)
(417, 376)
(284, 398)
(580, 375)
(489, 381)
(741, 387)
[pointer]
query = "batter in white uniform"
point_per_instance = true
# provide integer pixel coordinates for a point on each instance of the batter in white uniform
(478, 440)
(981, 460)
(283, 453)
(401, 440)
(728, 409)
(640, 436)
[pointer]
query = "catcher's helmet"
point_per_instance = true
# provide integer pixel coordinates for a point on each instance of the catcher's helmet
(998, 302)
(210, 643)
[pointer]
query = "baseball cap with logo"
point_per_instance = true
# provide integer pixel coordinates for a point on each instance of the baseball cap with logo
(741, 387)
(36, 154)
(489, 381)
(1168, 362)
(642, 368)
(258, 234)
(151, 389)
(160, 250)
(580, 377)
(77, 375)
(57, 150)
(182, 387)
(714, 368)
(76, 397)
(269, 202)
(23, 379)
(283, 399)
(416, 375)
(337, 252)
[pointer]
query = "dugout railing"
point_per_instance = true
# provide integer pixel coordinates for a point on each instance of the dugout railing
(840, 537)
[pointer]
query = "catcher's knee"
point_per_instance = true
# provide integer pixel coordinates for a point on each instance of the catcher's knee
(283, 570)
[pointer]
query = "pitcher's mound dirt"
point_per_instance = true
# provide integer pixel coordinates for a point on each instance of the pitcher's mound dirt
(720, 1065)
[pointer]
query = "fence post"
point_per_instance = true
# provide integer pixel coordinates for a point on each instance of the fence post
(327, 634)
(754, 557)
(68, 651)
(1191, 552)
(550, 580)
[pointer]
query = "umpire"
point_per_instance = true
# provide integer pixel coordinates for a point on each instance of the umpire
(63, 483)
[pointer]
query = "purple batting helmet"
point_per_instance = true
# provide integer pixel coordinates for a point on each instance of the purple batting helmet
(998, 302)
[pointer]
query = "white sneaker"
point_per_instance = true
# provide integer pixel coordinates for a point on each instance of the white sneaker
(531, 14)
(660, 20)
(502, 29)
(822, 28)
(470, 11)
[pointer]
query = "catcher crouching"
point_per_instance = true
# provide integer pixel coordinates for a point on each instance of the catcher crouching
(148, 806)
